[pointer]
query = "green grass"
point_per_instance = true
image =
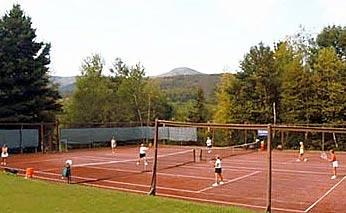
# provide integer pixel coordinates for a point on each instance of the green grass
(20, 195)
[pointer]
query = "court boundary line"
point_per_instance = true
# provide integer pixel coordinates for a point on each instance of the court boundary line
(325, 194)
(230, 181)
(289, 162)
(227, 203)
(118, 182)
(264, 169)
(159, 187)
(161, 194)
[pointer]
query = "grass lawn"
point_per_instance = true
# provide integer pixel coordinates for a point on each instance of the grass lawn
(20, 195)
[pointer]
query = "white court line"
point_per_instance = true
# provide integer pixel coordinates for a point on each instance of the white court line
(228, 203)
(129, 160)
(104, 163)
(159, 173)
(117, 182)
(232, 180)
(289, 162)
(329, 191)
(166, 195)
(263, 169)
(30, 162)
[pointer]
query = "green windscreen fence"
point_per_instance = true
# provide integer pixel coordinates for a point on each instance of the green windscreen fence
(19, 138)
(90, 135)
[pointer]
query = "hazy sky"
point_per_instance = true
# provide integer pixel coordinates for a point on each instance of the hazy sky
(205, 35)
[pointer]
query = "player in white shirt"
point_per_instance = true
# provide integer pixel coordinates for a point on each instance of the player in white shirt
(113, 145)
(209, 144)
(142, 154)
(301, 152)
(218, 172)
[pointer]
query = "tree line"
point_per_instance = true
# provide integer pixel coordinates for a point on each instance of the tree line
(302, 79)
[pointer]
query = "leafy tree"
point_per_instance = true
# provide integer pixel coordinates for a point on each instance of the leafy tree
(329, 85)
(157, 102)
(131, 90)
(26, 94)
(258, 85)
(294, 84)
(198, 112)
(92, 97)
(333, 36)
(225, 104)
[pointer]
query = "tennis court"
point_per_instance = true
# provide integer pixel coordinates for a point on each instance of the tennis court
(296, 187)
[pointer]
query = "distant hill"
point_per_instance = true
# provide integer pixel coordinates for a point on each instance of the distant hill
(66, 84)
(180, 71)
(181, 87)
(178, 84)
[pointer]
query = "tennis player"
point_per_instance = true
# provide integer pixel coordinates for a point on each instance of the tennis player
(209, 144)
(335, 163)
(142, 154)
(301, 152)
(113, 145)
(218, 172)
(4, 154)
(66, 172)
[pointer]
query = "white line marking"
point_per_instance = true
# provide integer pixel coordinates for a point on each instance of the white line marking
(162, 194)
(116, 188)
(116, 182)
(131, 160)
(228, 203)
(230, 181)
(159, 173)
(262, 169)
(329, 191)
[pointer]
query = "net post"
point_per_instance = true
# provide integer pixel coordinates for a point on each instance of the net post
(153, 177)
(269, 169)
(322, 142)
(194, 155)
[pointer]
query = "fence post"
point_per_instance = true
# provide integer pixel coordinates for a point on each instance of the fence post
(58, 134)
(269, 169)
(153, 178)
(21, 138)
(42, 139)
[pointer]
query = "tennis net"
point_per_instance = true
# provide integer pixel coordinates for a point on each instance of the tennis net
(175, 159)
(224, 152)
(166, 159)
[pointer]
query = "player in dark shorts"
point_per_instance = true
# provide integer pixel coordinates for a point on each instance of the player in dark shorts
(218, 172)
(142, 155)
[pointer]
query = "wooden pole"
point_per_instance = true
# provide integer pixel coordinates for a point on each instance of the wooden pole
(153, 178)
(322, 141)
(42, 140)
(269, 169)
(21, 138)
(58, 135)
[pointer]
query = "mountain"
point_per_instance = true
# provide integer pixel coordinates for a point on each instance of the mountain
(182, 87)
(179, 84)
(65, 84)
(180, 71)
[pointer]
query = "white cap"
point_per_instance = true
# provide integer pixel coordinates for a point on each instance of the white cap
(69, 162)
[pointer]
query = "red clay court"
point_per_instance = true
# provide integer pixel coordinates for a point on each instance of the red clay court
(296, 187)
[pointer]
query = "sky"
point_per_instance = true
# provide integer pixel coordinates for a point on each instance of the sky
(210, 36)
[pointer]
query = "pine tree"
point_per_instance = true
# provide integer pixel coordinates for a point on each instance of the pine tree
(26, 94)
